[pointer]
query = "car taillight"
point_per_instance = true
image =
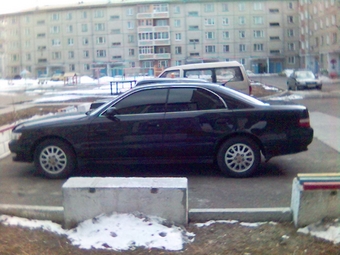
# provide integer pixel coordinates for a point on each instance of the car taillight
(305, 123)
(250, 90)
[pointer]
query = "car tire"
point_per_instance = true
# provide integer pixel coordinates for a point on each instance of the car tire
(239, 157)
(54, 159)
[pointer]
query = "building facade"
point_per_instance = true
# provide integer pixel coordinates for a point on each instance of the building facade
(141, 37)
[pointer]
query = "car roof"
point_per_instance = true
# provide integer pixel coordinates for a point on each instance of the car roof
(169, 80)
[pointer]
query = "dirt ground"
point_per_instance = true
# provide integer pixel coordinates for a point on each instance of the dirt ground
(216, 239)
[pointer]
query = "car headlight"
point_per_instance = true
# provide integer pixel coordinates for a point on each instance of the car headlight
(16, 135)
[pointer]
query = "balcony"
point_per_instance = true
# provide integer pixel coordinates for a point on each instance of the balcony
(153, 29)
(154, 56)
(160, 42)
(153, 15)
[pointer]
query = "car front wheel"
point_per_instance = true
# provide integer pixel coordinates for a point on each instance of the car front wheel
(239, 157)
(54, 159)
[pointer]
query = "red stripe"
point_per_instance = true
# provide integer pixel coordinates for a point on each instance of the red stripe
(321, 185)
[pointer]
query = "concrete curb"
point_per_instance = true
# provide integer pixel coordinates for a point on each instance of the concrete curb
(52, 213)
(56, 213)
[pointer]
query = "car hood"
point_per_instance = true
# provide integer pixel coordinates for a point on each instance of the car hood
(308, 80)
(55, 120)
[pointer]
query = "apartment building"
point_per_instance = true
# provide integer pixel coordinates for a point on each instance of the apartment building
(140, 37)
(320, 35)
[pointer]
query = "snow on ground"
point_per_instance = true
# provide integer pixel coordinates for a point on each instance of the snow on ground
(115, 232)
(128, 231)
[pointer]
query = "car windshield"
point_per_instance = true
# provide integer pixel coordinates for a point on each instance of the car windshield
(305, 75)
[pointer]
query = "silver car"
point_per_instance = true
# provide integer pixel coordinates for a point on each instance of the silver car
(303, 79)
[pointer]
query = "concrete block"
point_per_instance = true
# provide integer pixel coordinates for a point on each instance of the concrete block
(85, 198)
(311, 206)
(280, 214)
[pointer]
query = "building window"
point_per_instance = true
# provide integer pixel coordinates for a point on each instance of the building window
(28, 56)
(258, 47)
(161, 35)
(274, 51)
(178, 36)
(193, 14)
(84, 27)
(178, 62)
(225, 7)
(129, 12)
(146, 50)
(225, 21)
(69, 16)
(86, 67)
(71, 67)
(56, 55)
(334, 38)
(258, 20)
(241, 7)
(130, 25)
(69, 29)
(70, 41)
(42, 35)
(114, 17)
(178, 50)
(242, 34)
(274, 38)
(242, 61)
(291, 46)
(84, 15)
(115, 31)
(99, 26)
(86, 54)
(85, 41)
(132, 64)
(55, 16)
(258, 33)
(131, 38)
(160, 8)
(241, 20)
(55, 42)
(131, 52)
(226, 48)
(274, 24)
(209, 21)
(177, 23)
(274, 10)
(290, 5)
(99, 14)
(41, 22)
(209, 7)
(71, 54)
(100, 40)
(177, 9)
(225, 34)
(55, 30)
(242, 47)
(210, 49)
(290, 33)
(290, 19)
(258, 6)
(191, 28)
(291, 60)
(101, 53)
(209, 35)
(115, 44)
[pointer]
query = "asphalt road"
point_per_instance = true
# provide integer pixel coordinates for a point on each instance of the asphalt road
(271, 187)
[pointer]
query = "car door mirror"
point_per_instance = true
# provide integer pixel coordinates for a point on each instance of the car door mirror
(111, 113)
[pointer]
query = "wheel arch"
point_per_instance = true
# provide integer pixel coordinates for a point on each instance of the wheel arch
(42, 139)
(238, 134)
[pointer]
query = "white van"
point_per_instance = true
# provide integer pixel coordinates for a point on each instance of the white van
(230, 74)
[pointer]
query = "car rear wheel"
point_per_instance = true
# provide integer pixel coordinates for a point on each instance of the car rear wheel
(54, 159)
(239, 157)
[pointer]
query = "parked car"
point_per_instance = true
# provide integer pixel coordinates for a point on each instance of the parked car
(166, 123)
(57, 77)
(303, 79)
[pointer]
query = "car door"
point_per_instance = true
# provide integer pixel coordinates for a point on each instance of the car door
(195, 119)
(134, 132)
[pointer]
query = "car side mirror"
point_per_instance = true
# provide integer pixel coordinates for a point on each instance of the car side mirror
(111, 113)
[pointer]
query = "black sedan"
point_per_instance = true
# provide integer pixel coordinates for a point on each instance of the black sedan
(166, 123)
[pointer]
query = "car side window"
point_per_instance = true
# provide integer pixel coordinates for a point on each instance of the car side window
(192, 99)
(146, 101)
(171, 74)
